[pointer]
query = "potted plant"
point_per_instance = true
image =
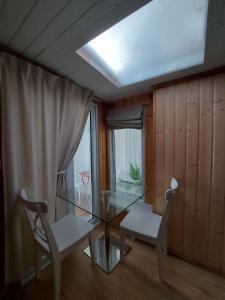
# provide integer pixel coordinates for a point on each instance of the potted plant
(135, 174)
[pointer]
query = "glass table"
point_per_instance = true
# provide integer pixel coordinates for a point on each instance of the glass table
(105, 206)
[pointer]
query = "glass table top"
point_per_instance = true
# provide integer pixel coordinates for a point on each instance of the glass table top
(103, 204)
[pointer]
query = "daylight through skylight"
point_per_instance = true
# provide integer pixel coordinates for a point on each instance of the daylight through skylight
(162, 37)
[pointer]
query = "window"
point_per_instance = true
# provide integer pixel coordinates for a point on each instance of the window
(126, 159)
(84, 166)
(162, 37)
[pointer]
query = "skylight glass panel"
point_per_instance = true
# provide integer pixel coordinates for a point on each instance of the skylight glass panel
(162, 37)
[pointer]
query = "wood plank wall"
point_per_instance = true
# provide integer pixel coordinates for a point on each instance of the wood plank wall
(2, 221)
(189, 120)
(142, 99)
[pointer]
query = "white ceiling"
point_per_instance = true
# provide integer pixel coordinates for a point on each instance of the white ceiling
(49, 32)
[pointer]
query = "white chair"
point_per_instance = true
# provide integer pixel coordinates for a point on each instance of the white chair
(150, 227)
(55, 240)
(139, 206)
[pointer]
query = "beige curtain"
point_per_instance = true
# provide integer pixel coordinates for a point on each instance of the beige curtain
(70, 132)
(37, 110)
(69, 136)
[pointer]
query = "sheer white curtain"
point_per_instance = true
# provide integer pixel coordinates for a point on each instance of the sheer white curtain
(42, 120)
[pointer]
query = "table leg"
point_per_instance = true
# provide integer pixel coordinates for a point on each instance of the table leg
(107, 244)
(107, 249)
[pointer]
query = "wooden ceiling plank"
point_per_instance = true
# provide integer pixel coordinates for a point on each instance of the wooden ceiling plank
(12, 15)
(77, 64)
(215, 16)
(40, 16)
(65, 33)
(220, 47)
(64, 20)
(91, 84)
(88, 20)
(101, 17)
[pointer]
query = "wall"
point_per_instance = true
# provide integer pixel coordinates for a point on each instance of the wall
(184, 132)
(143, 99)
(189, 121)
(149, 150)
(2, 221)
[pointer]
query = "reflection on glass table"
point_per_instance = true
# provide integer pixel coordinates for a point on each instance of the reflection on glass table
(106, 206)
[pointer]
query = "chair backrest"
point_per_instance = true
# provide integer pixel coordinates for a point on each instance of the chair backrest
(42, 232)
(169, 199)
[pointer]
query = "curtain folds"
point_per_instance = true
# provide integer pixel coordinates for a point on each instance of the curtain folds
(73, 116)
(43, 117)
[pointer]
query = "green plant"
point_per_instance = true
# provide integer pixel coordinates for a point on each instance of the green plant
(135, 174)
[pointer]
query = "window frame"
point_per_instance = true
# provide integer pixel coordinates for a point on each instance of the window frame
(94, 121)
(112, 161)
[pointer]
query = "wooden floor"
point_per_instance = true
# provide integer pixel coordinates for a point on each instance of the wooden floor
(135, 278)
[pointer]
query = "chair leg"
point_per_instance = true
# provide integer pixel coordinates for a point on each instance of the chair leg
(165, 244)
(38, 262)
(122, 244)
(57, 278)
(92, 248)
(159, 254)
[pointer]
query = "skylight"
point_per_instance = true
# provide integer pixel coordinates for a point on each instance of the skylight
(162, 37)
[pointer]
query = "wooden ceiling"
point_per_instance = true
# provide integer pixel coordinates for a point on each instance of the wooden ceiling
(49, 32)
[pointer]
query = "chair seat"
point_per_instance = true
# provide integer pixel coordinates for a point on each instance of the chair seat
(141, 205)
(147, 226)
(141, 222)
(69, 230)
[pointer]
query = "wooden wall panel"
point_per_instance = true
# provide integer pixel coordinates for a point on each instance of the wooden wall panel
(190, 144)
(204, 169)
(177, 220)
(149, 152)
(191, 167)
(2, 209)
(159, 102)
(169, 144)
(216, 216)
(169, 134)
(131, 101)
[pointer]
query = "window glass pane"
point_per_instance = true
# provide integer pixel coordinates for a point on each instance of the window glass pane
(82, 170)
(128, 158)
(161, 37)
